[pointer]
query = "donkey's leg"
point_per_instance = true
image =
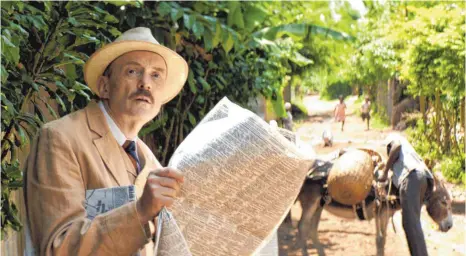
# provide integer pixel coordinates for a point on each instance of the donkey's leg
(314, 230)
(381, 221)
(310, 200)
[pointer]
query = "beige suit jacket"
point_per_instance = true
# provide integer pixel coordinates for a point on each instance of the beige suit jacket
(69, 156)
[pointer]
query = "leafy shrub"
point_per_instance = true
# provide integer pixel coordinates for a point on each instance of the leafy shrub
(451, 165)
(44, 47)
(333, 90)
(453, 168)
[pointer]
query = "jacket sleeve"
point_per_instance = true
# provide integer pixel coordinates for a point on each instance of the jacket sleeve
(54, 196)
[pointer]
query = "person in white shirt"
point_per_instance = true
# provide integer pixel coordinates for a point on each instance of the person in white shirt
(366, 111)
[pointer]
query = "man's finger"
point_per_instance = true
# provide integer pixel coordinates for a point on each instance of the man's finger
(159, 191)
(169, 183)
(170, 173)
(166, 201)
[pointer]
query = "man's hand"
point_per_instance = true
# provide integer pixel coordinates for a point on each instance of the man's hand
(382, 178)
(162, 187)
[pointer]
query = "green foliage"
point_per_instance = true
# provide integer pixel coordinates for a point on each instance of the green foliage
(379, 121)
(451, 165)
(422, 44)
(335, 89)
(436, 51)
(44, 47)
(453, 168)
(424, 145)
(234, 49)
(433, 60)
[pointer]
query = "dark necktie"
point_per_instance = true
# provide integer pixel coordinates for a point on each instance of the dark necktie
(130, 148)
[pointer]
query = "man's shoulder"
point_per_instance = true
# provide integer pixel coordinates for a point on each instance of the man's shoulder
(68, 124)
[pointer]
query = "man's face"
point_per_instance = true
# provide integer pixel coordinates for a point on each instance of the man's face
(135, 85)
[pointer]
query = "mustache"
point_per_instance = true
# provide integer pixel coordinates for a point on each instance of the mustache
(141, 92)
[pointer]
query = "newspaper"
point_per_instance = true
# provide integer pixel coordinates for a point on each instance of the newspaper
(241, 179)
(102, 200)
(173, 242)
(291, 136)
(271, 248)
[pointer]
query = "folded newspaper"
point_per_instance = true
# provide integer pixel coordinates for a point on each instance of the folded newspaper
(241, 178)
(102, 200)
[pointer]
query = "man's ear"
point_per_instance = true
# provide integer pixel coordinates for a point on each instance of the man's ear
(103, 87)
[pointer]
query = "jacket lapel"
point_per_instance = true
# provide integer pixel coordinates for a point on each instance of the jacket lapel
(107, 145)
(148, 164)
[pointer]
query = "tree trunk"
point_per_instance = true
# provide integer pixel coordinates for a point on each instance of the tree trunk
(462, 114)
(446, 132)
(462, 118)
(422, 106)
(437, 125)
(168, 134)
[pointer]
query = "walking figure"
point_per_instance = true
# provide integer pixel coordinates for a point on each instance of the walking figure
(339, 112)
(288, 120)
(366, 111)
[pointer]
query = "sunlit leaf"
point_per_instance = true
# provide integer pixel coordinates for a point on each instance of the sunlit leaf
(198, 29)
(164, 8)
(192, 119)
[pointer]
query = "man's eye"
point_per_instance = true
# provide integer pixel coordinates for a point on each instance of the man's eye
(156, 75)
(132, 72)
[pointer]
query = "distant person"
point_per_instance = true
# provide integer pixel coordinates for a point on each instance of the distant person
(366, 111)
(288, 120)
(327, 137)
(340, 112)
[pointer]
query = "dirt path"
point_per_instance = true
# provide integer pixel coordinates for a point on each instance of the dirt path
(354, 237)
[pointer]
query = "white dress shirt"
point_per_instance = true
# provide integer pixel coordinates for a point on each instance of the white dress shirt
(117, 133)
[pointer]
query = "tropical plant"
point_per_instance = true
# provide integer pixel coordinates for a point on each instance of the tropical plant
(44, 46)
(422, 44)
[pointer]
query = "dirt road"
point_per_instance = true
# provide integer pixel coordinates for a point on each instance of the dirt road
(353, 237)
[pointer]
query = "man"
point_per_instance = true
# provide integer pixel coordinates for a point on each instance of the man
(98, 147)
(414, 182)
(288, 120)
(366, 111)
(339, 112)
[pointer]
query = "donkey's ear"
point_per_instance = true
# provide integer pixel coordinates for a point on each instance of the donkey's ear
(436, 182)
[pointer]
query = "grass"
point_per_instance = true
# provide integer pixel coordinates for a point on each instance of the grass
(377, 122)
(359, 100)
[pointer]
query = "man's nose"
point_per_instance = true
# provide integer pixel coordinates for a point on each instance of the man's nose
(145, 82)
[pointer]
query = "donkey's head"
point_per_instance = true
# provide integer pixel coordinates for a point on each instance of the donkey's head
(439, 206)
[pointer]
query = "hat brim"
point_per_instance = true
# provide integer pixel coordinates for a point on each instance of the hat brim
(177, 68)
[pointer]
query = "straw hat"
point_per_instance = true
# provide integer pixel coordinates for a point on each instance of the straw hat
(137, 39)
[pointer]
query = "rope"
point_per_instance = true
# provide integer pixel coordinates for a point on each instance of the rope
(388, 203)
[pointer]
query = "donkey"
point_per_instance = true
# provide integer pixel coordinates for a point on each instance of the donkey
(314, 200)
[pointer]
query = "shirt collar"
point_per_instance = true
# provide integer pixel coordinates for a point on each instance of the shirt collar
(117, 133)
